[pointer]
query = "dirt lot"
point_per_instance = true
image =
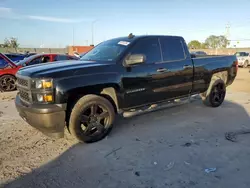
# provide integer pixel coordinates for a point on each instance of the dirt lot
(168, 148)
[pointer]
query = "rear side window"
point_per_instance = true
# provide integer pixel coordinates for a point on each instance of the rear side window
(150, 48)
(39, 60)
(61, 57)
(172, 49)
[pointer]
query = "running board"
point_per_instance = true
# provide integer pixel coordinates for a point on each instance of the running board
(155, 107)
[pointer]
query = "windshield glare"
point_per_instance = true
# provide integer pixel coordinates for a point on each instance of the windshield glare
(106, 51)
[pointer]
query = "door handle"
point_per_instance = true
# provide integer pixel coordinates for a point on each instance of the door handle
(162, 70)
(187, 66)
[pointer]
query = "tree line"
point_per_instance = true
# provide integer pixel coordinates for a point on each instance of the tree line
(212, 41)
(11, 42)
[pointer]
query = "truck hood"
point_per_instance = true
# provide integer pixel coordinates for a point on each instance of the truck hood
(59, 68)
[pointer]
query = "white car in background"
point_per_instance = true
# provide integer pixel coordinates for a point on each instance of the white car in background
(76, 54)
(243, 59)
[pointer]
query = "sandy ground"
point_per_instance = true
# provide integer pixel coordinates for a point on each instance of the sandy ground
(168, 148)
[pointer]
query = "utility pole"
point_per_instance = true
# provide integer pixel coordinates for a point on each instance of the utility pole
(227, 34)
(73, 37)
(92, 30)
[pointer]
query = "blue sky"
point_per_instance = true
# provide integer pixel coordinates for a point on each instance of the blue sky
(50, 22)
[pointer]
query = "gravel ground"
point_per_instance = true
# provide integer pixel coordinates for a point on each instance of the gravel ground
(168, 148)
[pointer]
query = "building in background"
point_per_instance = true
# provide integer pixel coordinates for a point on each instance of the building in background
(79, 49)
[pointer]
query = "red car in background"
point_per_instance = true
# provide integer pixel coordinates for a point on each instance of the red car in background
(8, 68)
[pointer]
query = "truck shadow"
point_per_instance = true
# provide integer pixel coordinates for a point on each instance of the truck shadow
(167, 148)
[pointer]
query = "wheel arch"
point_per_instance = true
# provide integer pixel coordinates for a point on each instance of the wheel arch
(219, 77)
(7, 74)
(108, 91)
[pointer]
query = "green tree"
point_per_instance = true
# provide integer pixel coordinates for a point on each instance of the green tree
(6, 43)
(194, 44)
(14, 43)
(204, 45)
(214, 41)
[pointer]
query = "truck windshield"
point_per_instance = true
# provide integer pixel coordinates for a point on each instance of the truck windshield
(106, 51)
(241, 54)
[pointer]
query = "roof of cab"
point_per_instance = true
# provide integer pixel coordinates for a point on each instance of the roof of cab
(135, 37)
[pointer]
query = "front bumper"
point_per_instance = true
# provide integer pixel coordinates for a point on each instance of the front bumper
(49, 118)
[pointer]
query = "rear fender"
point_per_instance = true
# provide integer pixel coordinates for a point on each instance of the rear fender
(219, 77)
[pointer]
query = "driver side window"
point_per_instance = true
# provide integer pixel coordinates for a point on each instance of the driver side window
(150, 48)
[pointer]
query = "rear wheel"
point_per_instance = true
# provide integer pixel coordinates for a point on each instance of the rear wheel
(216, 96)
(245, 64)
(7, 83)
(91, 118)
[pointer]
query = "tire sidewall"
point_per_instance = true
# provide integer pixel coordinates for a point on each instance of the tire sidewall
(4, 76)
(80, 106)
(210, 97)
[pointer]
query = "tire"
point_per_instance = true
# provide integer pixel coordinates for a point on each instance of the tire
(7, 83)
(216, 94)
(91, 119)
(245, 64)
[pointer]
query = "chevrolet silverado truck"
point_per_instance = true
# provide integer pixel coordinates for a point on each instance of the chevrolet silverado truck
(126, 76)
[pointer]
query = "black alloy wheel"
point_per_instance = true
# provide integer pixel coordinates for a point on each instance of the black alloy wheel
(91, 118)
(94, 120)
(217, 95)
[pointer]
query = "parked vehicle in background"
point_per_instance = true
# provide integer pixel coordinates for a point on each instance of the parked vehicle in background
(243, 59)
(128, 76)
(198, 54)
(76, 54)
(15, 56)
(44, 58)
(9, 68)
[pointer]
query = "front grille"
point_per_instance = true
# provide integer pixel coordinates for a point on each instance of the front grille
(22, 82)
(24, 95)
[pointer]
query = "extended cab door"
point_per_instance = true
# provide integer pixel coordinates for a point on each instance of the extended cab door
(138, 81)
(178, 66)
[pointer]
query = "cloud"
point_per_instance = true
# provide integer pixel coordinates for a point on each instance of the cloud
(5, 10)
(10, 14)
(53, 19)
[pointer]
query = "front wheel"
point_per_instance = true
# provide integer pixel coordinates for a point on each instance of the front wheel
(91, 118)
(7, 83)
(216, 96)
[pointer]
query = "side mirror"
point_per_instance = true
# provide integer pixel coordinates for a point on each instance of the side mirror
(135, 59)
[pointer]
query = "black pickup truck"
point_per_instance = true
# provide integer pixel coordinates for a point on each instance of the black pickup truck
(128, 76)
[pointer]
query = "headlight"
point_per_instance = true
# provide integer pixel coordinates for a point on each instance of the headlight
(44, 84)
(44, 97)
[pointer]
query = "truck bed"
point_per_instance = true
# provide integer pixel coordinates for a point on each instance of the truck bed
(207, 66)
